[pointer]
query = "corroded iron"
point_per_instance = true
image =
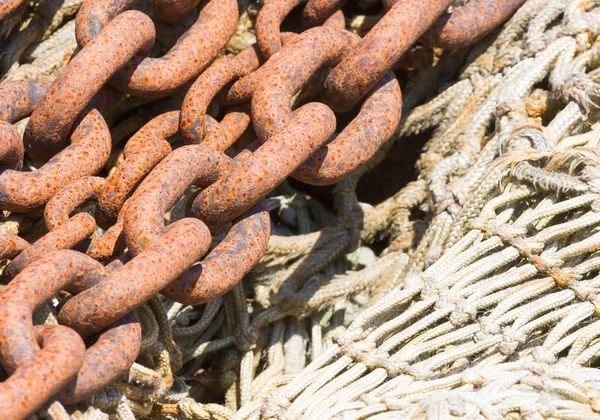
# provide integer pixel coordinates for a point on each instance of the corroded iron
(69, 137)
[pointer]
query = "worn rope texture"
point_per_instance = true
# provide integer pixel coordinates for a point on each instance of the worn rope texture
(505, 254)
(499, 297)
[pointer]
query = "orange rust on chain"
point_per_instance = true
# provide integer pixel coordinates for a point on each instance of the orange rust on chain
(227, 263)
(46, 133)
(109, 245)
(375, 123)
(470, 23)
(357, 143)
(258, 174)
(94, 15)
(19, 98)
(65, 201)
(11, 147)
(235, 122)
(216, 136)
(11, 246)
(193, 52)
(358, 73)
(314, 49)
(164, 186)
(320, 46)
(336, 20)
(35, 381)
(173, 11)
(268, 21)
(224, 267)
(138, 280)
(17, 101)
(317, 12)
(121, 343)
(144, 150)
(38, 283)
(206, 87)
(87, 154)
(64, 232)
(74, 231)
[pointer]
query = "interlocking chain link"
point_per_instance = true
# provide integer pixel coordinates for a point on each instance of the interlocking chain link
(103, 279)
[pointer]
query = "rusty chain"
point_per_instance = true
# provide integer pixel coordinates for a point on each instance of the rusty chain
(101, 286)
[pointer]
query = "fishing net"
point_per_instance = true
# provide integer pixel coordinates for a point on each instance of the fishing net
(495, 313)
(469, 293)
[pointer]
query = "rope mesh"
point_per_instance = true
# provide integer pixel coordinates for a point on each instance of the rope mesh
(484, 302)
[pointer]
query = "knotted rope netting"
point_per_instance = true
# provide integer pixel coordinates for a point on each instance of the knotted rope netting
(496, 313)
(484, 302)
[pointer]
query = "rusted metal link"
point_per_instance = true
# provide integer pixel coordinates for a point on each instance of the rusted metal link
(316, 12)
(72, 232)
(41, 377)
(65, 201)
(235, 122)
(173, 11)
(216, 136)
(470, 23)
(357, 143)
(46, 133)
(301, 53)
(38, 283)
(164, 186)
(336, 20)
(376, 53)
(144, 150)
(268, 21)
(315, 48)
(94, 15)
(379, 116)
(193, 52)
(109, 245)
(112, 354)
(11, 246)
(145, 275)
(64, 232)
(11, 147)
(206, 87)
(19, 98)
(231, 259)
(17, 101)
(258, 174)
(227, 263)
(87, 154)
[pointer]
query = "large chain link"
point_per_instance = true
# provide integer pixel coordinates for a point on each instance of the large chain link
(102, 286)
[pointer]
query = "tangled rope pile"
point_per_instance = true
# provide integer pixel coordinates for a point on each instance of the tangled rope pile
(495, 315)
(474, 305)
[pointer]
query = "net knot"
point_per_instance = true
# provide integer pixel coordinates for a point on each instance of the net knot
(543, 355)
(274, 407)
(473, 377)
(366, 352)
(464, 312)
(432, 289)
(511, 340)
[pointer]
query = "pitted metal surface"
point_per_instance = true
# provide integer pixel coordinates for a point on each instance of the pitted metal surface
(108, 248)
